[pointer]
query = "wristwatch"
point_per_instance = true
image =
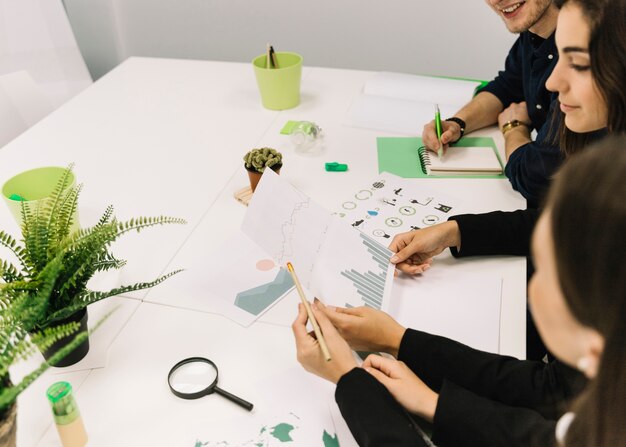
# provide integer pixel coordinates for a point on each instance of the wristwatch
(460, 122)
(512, 124)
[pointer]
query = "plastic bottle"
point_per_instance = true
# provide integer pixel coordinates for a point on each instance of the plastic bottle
(66, 415)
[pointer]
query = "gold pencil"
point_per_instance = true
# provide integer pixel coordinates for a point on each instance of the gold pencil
(309, 311)
(274, 57)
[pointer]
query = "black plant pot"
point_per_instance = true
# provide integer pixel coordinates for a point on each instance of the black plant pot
(81, 350)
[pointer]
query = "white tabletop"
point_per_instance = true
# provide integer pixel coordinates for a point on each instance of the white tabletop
(159, 136)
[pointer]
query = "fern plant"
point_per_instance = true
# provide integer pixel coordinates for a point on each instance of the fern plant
(19, 314)
(47, 237)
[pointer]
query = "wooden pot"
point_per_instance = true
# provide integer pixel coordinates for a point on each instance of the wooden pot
(8, 427)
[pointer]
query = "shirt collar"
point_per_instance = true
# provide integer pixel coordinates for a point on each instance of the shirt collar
(562, 426)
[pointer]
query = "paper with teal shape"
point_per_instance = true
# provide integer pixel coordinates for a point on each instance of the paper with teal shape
(249, 282)
(400, 156)
(257, 299)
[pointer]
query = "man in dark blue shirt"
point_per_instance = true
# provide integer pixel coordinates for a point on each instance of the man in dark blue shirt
(517, 100)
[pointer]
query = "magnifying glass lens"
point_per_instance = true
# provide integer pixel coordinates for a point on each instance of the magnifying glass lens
(193, 377)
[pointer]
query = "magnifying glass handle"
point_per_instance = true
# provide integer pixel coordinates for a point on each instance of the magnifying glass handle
(238, 400)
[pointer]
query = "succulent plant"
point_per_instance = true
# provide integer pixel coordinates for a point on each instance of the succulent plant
(265, 157)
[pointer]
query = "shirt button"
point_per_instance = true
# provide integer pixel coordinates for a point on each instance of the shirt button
(538, 106)
(550, 56)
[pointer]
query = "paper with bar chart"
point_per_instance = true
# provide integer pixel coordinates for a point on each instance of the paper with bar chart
(334, 261)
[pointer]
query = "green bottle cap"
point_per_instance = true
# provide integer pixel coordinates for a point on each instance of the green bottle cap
(17, 198)
(62, 401)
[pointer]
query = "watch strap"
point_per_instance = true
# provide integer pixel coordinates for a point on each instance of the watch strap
(461, 124)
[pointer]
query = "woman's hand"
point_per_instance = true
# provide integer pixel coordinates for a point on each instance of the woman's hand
(308, 348)
(415, 249)
(404, 385)
(366, 329)
(515, 111)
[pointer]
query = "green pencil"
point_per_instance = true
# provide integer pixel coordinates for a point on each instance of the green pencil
(438, 129)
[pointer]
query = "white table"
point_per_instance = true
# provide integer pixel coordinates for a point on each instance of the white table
(157, 136)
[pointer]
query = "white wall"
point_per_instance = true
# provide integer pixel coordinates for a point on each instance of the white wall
(35, 36)
(448, 37)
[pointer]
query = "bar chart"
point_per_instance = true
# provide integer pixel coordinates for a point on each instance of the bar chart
(370, 285)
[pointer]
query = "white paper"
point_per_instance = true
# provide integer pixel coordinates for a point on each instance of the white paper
(465, 309)
(249, 282)
(420, 88)
(339, 265)
(344, 435)
(404, 103)
(390, 205)
(461, 159)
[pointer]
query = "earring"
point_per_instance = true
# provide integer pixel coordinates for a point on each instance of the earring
(583, 364)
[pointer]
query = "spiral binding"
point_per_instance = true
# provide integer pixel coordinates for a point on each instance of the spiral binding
(424, 157)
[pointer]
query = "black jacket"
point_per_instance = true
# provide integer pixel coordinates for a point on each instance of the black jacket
(496, 233)
(527, 67)
(484, 399)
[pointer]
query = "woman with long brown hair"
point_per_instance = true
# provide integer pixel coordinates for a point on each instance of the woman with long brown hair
(578, 297)
(589, 78)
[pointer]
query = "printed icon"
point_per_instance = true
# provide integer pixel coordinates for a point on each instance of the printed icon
(372, 212)
(423, 202)
(407, 210)
(379, 185)
(348, 205)
(391, 202)
(443, 208)
(357, 223)
(413, 227)
(397, 192)
(363, 194)
(393, 222)
(430, 220)
(380, 233)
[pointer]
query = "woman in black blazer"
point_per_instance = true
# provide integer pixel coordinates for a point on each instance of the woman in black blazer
(508, 233)
(474, 398)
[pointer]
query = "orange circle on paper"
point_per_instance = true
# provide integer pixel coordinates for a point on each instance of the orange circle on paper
(265, 264)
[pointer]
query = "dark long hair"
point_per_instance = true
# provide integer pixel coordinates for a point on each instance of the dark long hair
(588, 203)
(607, 52)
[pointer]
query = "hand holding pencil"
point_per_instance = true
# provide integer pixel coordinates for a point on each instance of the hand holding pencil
(311, 355)
(449, 132)
(311, 317)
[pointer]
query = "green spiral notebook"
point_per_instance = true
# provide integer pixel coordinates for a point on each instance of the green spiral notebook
(405, 157)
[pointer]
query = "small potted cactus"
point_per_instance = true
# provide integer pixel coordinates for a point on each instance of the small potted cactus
(258, 159)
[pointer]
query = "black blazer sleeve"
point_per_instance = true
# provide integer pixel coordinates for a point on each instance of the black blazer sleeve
(544, 388)
(464, 419)
(488, 399)
(496, 233)
(374, 417)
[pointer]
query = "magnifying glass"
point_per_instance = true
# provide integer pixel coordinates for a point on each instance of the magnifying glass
(196, 377)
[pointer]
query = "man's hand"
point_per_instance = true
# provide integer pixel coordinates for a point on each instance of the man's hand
(404, 385)
(366, 329)
(309, 352)
(450, 132)
(415, 249)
